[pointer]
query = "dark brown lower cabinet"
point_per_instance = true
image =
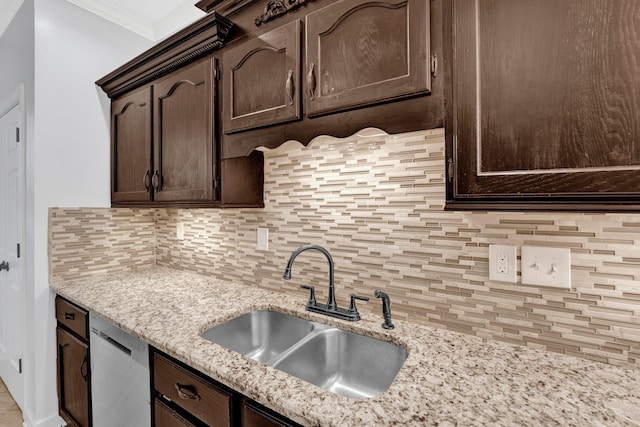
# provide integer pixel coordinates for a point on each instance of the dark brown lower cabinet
(165, 416)
(74, 382)
(186, 397)
(255, 415)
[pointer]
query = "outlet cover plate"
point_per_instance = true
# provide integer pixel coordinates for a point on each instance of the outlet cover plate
(262, 243)
(544, 266)
(502, 263)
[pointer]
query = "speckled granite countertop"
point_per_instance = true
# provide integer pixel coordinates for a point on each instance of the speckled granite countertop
(448, 378)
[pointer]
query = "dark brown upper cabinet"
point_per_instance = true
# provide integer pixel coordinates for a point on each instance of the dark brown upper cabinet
(183, 136)
(165, 137)
(364, 64)
(131, 147)
(262, 80)
(546, 101)
(362, 52)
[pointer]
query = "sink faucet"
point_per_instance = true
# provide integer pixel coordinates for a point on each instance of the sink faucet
(330, 308)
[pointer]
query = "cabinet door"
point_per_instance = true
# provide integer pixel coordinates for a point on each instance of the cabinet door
(262, 80)
(361, 52)
(131, 147)
(546, 102)
(183, 137)
(73, 379)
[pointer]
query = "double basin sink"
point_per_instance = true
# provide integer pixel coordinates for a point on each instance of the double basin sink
(342, 362)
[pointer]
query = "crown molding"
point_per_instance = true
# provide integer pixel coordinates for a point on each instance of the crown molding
(187, 45)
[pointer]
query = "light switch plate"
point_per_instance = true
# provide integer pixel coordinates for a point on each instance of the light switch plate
(503, 263)
(544, 266)
(180, 231)
(262, 243)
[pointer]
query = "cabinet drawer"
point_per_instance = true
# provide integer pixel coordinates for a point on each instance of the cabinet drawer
(73, 317)
(167, 417)
(194, 394)
(254, 415)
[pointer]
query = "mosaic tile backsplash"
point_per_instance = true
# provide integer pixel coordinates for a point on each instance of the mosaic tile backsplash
(86, 241)
(376, 203)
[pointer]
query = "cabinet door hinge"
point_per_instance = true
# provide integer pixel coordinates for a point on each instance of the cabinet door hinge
(17, 134)
(434, 65)
(450, 170)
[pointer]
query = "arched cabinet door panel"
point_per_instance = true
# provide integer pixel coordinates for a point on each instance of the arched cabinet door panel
(262, 80)
(363, 52)
(131, 147)
(183, 137)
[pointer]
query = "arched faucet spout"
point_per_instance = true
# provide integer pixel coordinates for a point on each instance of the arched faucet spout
(331, 302)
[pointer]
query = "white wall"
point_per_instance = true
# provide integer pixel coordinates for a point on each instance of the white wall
(17, 67)
(70, 154)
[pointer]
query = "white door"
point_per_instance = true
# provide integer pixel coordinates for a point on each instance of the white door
(12, 268)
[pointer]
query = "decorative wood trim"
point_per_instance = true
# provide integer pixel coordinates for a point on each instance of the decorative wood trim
(192, 42)
(276, 8)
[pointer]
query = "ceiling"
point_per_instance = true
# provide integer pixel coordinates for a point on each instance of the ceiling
(152, 19)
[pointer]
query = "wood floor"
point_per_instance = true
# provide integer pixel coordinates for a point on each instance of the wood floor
(10, 415)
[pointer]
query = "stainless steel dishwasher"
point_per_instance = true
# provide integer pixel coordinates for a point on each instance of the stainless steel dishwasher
(120, 390)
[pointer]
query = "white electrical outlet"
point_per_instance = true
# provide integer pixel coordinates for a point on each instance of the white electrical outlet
(180, 231)
(502, 263)
(262, 243)
(544, 266)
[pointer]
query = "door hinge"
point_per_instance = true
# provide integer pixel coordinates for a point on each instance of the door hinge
(450, 170)
(434, 65)
(17, 134)
(18, 250)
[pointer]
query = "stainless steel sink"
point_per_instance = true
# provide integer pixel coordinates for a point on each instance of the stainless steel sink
(342, 362)
(345, 363)
(260, 335)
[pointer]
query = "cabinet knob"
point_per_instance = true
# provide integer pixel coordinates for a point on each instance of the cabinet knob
(311, 81)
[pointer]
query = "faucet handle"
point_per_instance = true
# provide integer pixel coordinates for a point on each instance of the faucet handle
(354, 297)
(312, 294)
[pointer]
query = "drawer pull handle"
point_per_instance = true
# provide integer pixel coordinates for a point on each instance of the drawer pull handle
(187, 392)
(84, 370)
(145, 181)
(290, 87)
(69, 316)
